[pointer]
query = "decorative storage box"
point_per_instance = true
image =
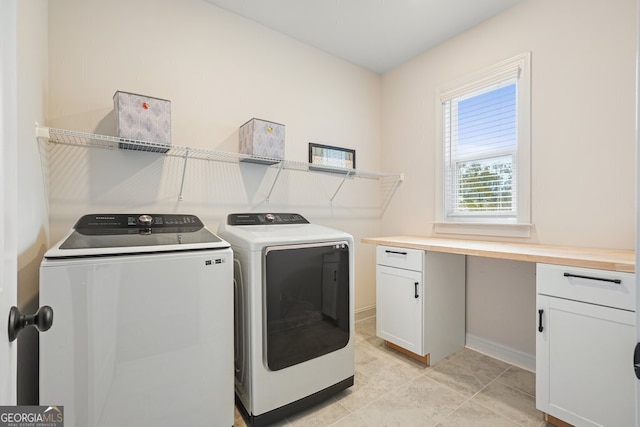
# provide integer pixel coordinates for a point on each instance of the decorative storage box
(262, 138)
(143, 118)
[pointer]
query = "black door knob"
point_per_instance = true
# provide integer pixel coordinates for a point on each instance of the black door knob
(42, 320)
(636, 360)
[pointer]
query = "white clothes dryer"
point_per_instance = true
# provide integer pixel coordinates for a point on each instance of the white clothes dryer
(143, 323)
(294, 313)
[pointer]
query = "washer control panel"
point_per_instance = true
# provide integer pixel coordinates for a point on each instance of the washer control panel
(162, 220)
(120, 223)
(265, 218)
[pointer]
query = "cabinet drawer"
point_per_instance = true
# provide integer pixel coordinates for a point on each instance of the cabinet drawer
(409, 259)
(602, 287)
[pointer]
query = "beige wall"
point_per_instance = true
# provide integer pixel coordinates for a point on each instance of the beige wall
(583, 147)
(218, 70)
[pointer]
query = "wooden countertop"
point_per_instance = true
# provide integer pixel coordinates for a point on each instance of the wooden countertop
(604, 259)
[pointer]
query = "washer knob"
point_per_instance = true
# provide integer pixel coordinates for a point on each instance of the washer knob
(270, 217)
(145, 220)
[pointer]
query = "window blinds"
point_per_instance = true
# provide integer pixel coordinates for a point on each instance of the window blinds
(480, 146)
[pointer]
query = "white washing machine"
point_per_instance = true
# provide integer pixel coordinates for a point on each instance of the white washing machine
(294, 313)
(142, 331)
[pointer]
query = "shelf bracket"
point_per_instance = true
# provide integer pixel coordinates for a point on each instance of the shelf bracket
(42, 132)
(344, 178)
(184, 172)
(391, 192)
(273, 184)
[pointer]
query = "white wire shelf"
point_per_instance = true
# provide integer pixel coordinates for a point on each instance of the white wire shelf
(84, 139)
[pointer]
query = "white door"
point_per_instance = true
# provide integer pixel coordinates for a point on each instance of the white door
(8, 189)
(638, 209)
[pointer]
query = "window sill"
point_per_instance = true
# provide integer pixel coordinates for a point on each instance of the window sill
(483, 229)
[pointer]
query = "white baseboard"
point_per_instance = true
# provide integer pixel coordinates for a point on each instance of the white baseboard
(502, 352)
(365, 313)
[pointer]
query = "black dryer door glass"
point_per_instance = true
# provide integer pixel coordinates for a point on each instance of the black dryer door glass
(307, 302)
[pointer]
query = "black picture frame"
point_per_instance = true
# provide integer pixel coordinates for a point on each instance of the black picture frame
(323, 156)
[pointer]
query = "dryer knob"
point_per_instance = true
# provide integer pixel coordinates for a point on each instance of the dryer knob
(146, 220)
(270, 217)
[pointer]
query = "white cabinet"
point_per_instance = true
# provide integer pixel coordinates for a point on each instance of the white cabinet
(584, 345)
(420, 300)
(399, 307)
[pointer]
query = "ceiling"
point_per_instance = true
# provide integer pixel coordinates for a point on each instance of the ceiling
(375, 34)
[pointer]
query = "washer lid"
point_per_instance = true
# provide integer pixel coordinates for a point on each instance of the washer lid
(107, 234)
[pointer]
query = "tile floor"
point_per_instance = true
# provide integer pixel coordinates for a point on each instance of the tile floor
(466, 389)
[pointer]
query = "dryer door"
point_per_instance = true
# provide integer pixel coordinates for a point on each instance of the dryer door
(306, 293)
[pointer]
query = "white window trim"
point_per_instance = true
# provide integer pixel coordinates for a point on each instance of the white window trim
(522, 226)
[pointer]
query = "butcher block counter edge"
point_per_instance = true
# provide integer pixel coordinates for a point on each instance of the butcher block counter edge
(603, 259)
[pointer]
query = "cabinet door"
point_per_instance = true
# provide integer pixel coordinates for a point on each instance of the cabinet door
(398, 310)
(583, 364)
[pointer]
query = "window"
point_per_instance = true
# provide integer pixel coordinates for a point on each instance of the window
(483, 134)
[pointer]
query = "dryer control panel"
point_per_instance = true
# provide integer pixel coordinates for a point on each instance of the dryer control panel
(265, 218)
